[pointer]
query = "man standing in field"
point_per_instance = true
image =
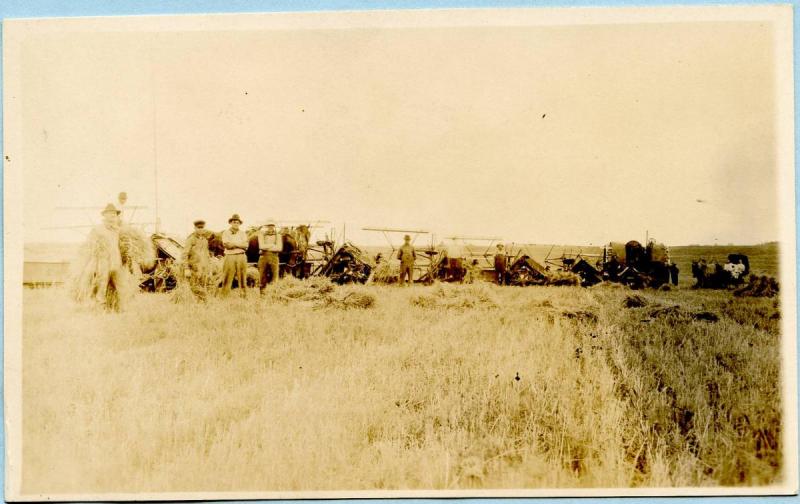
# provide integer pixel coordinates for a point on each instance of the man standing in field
(407, 255)
(99, 277)
(270, 244)
(235, 242)
(500, 264)
(196, 259)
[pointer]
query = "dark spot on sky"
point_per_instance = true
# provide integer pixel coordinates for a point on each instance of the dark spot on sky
(302, 110)
(8, 159)
(543, 116)
(245, 93)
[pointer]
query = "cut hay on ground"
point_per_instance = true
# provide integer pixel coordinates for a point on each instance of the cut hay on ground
(581, 316)
(290, 289)
(562, 278)
(676, 313)
(355, 299)
(449, 296)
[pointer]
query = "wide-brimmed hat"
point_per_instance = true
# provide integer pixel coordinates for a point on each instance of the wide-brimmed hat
(110, 208)
(199, 222)
(271, 222)
(235, 217)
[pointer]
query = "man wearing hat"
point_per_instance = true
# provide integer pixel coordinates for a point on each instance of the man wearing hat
(108, 266)
(407, 255)
(235, 242)
(270, 244)
(500, 265)
(195, 259)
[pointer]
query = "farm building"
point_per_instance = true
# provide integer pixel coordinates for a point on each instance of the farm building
(47, 263)
(40, 273)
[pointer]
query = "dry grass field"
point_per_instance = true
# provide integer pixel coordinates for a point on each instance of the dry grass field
(377, 387)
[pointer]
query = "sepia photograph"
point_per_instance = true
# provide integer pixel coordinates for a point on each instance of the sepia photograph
(506, 252)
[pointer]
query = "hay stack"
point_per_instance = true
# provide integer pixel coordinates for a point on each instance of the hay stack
(474, 273)
(758, 286)
(634, 301)
(90, 269)
(136, 248)
(87, 269)
(214, 274)
(182, 293)
(386, 272)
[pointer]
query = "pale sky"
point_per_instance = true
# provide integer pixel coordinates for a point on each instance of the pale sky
(543, 134)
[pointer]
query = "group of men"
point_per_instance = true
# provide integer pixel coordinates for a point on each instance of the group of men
(196, 257)
(235, 242)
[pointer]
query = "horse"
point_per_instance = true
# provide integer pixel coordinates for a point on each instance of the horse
(710, 275)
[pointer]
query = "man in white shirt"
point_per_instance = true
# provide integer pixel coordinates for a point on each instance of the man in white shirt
(270, 245)
(235, 264)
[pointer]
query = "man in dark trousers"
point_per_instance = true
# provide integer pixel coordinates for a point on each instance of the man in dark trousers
(235, 264)
(407, 255)
(500, 264)
(270, 244)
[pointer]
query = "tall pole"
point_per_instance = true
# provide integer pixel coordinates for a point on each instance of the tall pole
(155, 137)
